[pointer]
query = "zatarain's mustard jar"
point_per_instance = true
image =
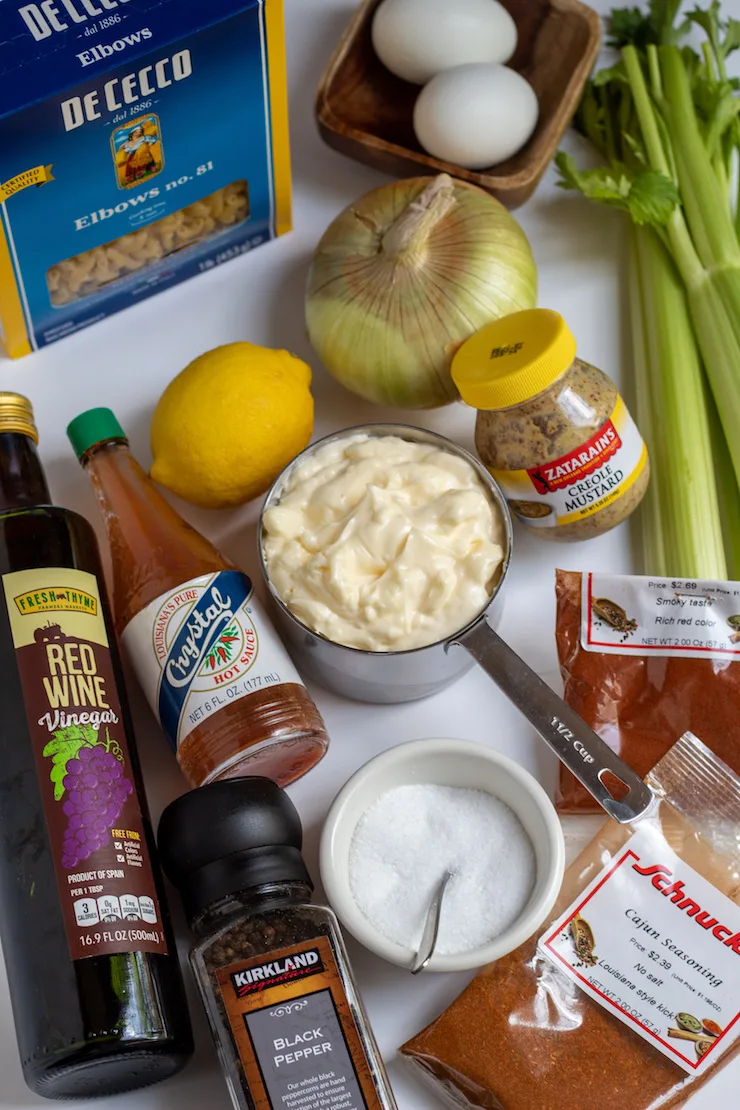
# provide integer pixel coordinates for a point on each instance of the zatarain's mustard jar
(552, 429)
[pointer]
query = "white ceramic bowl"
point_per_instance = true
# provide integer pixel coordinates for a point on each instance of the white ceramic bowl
(444, 763)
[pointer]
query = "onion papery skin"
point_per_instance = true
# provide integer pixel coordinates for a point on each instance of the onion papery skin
(386, 322)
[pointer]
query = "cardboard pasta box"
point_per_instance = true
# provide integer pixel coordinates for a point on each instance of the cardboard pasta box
(141, 142)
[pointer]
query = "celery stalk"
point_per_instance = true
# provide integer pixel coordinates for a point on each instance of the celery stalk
(691, 525)
(666, 125)
(727, 492)
(649, 518)
(707, 209)
(677, 233)
(714, 297)
(700, 232)
(715, 309)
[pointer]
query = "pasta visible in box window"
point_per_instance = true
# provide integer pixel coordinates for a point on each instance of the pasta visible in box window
(85, 274)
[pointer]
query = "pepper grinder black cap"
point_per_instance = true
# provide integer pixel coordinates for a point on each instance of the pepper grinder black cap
(229, 836)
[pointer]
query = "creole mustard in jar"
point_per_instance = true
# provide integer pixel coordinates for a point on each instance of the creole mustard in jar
(552, 430)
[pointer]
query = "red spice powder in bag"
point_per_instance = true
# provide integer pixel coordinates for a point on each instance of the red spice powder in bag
(525, 1036)
(640, 705)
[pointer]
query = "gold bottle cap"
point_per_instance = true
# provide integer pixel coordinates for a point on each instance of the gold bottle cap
(16, 415)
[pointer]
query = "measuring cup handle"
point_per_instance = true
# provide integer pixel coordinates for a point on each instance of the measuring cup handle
(581, 750)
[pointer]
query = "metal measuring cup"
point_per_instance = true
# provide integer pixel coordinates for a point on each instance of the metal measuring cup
(398, 676)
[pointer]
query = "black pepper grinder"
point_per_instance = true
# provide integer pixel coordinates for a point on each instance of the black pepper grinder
(273, 972)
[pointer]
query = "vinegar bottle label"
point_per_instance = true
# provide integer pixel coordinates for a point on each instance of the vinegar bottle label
(93, 817)
(203, 646)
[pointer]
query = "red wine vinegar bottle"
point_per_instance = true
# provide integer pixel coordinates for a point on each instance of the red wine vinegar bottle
(94, 978)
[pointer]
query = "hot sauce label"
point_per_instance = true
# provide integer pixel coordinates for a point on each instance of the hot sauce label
(629, 614)
(658, 946)
(294, 1030)
(203, 646)
(581, 483)
(96, 831)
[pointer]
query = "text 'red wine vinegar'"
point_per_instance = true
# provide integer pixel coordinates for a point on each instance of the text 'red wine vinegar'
(216, 675)
(94, 979)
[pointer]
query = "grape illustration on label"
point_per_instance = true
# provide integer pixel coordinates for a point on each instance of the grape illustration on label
(78, 733)
(86, 767)
(97, 790)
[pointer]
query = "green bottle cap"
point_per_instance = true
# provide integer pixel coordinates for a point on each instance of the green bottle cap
(91, 427)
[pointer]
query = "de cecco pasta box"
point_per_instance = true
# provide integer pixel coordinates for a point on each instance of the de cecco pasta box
(141, 142)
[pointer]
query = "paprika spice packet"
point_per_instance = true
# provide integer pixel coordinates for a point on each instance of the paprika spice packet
(644, 660)
(629, 998)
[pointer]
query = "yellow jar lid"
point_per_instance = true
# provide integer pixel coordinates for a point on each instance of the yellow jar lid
(513, 359)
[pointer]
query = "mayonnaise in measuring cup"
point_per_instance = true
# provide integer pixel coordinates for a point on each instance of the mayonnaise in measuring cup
(383, 544)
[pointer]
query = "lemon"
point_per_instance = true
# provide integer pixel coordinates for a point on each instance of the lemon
(226, 426)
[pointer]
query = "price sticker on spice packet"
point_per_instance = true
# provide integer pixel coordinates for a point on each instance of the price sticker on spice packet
(658, 946)
(673, 617)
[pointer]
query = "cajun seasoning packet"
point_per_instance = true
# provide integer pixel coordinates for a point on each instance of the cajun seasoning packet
(629, 997)
(646, 659)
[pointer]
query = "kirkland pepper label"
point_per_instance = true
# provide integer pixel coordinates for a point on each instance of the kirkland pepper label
(295, 1033)
(680, 617)
(658, 946)
(584, 481)
(201, 647)
(96, 831)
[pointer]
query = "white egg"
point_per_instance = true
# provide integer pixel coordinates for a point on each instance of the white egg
(476, 116)
(416, 39)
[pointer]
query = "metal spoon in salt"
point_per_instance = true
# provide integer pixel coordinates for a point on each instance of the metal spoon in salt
(431, 926)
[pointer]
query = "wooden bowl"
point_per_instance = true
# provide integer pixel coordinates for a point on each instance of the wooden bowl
(364, 111)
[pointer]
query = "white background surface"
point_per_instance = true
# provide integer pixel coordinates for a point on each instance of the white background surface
(125, 363)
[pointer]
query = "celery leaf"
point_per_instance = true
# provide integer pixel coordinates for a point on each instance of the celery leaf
(634, 27)
(652, 199)
(707, 19)
(609, 74)
(648, 197)
(629, 25)
(731, 41)
(723, 35)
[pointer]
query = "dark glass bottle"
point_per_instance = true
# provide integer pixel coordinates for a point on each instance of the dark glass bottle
(273, 972)
(94, 979)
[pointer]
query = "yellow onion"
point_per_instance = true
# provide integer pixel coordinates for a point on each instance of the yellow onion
(406, 274)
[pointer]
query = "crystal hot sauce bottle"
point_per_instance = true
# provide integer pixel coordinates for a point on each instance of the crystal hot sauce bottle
(92, 968)
(216, 675)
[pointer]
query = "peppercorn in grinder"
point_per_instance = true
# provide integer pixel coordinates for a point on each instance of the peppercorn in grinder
(272, 969)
